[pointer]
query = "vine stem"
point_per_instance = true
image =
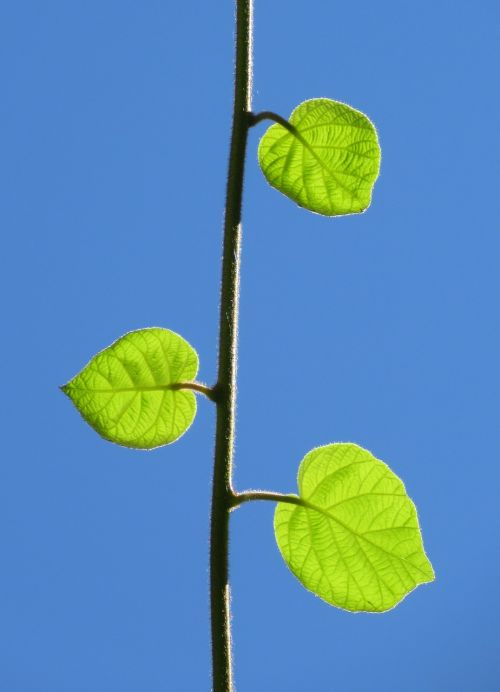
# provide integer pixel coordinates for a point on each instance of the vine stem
(225, 389)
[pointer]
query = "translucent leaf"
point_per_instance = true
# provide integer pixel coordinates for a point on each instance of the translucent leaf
(128, 394)
(355, 539)
(330, 163)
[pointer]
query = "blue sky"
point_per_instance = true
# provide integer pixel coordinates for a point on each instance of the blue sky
(381, 329)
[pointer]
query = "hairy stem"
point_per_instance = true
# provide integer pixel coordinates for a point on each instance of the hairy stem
(222, 491)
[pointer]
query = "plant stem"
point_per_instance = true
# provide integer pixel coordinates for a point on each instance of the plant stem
(209, 392)
(251, 495)
(222, 491)
(256, 118)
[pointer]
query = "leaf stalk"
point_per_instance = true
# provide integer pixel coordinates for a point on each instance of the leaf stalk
(256, 118)
(210, 392)
(252, 495)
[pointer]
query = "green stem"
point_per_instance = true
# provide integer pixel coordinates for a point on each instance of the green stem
(222, 491)
(256, 118)
(251, 495)
(209, 392)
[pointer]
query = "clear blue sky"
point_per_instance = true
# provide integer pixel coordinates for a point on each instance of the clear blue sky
(381, 329)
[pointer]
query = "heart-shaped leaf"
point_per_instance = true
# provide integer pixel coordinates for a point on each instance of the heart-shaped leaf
(128, 393)
(354, 539)
(330, 161)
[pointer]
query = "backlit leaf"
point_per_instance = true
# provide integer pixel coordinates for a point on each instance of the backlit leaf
(330, 164)
(127, 392)
(355, 540)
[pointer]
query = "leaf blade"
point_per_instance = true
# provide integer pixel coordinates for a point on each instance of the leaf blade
(127, 391)
(330, 164)
(355, 541)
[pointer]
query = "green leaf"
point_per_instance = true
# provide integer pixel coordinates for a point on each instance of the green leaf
(329, 164)
(128, 394)
(354, 539)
